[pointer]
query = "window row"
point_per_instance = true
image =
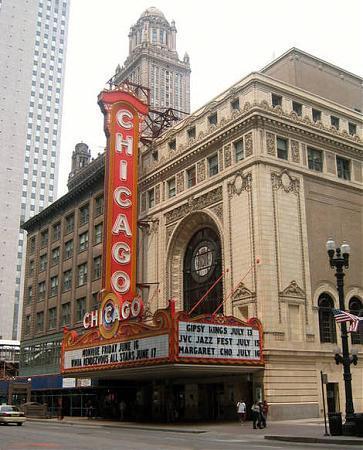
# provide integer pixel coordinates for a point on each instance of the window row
(212, 120)
(315, 159)
(316, 114)
(68, 250)
(68, 224)
(327, 325)
(191, 173)
(81, 279)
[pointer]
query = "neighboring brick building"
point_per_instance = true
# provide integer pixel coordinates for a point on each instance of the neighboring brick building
(254, 182)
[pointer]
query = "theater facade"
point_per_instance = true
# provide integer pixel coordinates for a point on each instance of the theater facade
(203, 279)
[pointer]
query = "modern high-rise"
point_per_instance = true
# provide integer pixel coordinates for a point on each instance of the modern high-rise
(153, 62)
(32, 57)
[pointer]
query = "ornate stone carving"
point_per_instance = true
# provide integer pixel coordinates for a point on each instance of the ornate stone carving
(248, 144)
(220, 159)
(235, 113)
(295, 152)
(194, 204)
(270, 144)
(201, 135)
(169, 231)
(264, 105)
(201, 171)
(293, 290)
(239, 184)
(157, 194)
(227, 155)
(218, 211)
(143, 201)
(246, 106)
(285, 181)
(180, 182)
(242, 292)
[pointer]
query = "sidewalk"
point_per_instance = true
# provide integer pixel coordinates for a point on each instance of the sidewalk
(304, 430)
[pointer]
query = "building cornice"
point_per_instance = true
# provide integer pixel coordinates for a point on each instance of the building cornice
(89, 177)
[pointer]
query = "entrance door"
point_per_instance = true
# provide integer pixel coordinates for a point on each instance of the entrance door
(332, 394)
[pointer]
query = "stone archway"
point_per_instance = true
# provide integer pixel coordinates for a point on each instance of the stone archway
(185, 230)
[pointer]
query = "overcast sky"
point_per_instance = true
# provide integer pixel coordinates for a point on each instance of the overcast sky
(226, 40)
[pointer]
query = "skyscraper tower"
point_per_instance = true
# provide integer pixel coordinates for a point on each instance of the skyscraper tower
(32, 58)
(153, 62)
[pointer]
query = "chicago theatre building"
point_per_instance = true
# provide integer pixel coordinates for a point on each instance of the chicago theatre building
(197, 274)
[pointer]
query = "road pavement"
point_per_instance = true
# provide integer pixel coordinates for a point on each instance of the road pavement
(83, 434)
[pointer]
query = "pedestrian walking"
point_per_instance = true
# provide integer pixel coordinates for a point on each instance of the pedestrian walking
(264, 413)
(256, 416)
(241, 411)
(122, 408)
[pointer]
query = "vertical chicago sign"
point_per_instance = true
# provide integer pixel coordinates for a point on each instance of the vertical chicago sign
(123, 113)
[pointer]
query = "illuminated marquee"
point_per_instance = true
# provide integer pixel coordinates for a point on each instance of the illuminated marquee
(122, 113)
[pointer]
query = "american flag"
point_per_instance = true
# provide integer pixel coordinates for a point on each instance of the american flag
(344, 316)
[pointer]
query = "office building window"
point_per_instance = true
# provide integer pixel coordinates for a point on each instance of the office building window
(55, 256)
(171, 188)
(282, 148)
(56, 231)
(98, 233)
(32, 245)
(356, 308)
(83, 215)
(297, 107)
(66, 314)
(40, 321)
(83, 241)
(326, 319)
(316, 115)
(151, 198)
(41, 291)
(44, 238)
(97, 267)
(191, 133)
(315, 159)
(343, 168)
(82, 274)
(213, 165)
(52, 318)
(172, 144)
(334, 122)
(69, 224)
(235, 104)
(30, 294)
(191, 177)
(238, 150)
(276, 100)
(68, 249)
(31, 267)
(67, 281)
(213, 119)
(27, 324)
(352, 128)
(54, 286)
(43, 263)
(99, 206)
(80, 309)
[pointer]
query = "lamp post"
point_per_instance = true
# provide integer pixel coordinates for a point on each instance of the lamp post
(339, 259)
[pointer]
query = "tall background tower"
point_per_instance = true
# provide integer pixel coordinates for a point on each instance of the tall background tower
(153, 62)
(32, 58)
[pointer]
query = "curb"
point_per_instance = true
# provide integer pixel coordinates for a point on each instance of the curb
(312, 440)
(120, 425)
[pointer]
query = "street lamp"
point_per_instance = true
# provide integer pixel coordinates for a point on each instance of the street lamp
(339, 259)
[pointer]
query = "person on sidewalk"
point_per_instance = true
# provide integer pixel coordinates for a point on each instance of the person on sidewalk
(241, 411)
(256, 416)
(122, 409)
(264, 413)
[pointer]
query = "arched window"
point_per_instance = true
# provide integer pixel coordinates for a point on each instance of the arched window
(202, 267)
(326, 319)
(356, 308)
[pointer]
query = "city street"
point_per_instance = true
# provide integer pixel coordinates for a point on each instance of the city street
(38, 435)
